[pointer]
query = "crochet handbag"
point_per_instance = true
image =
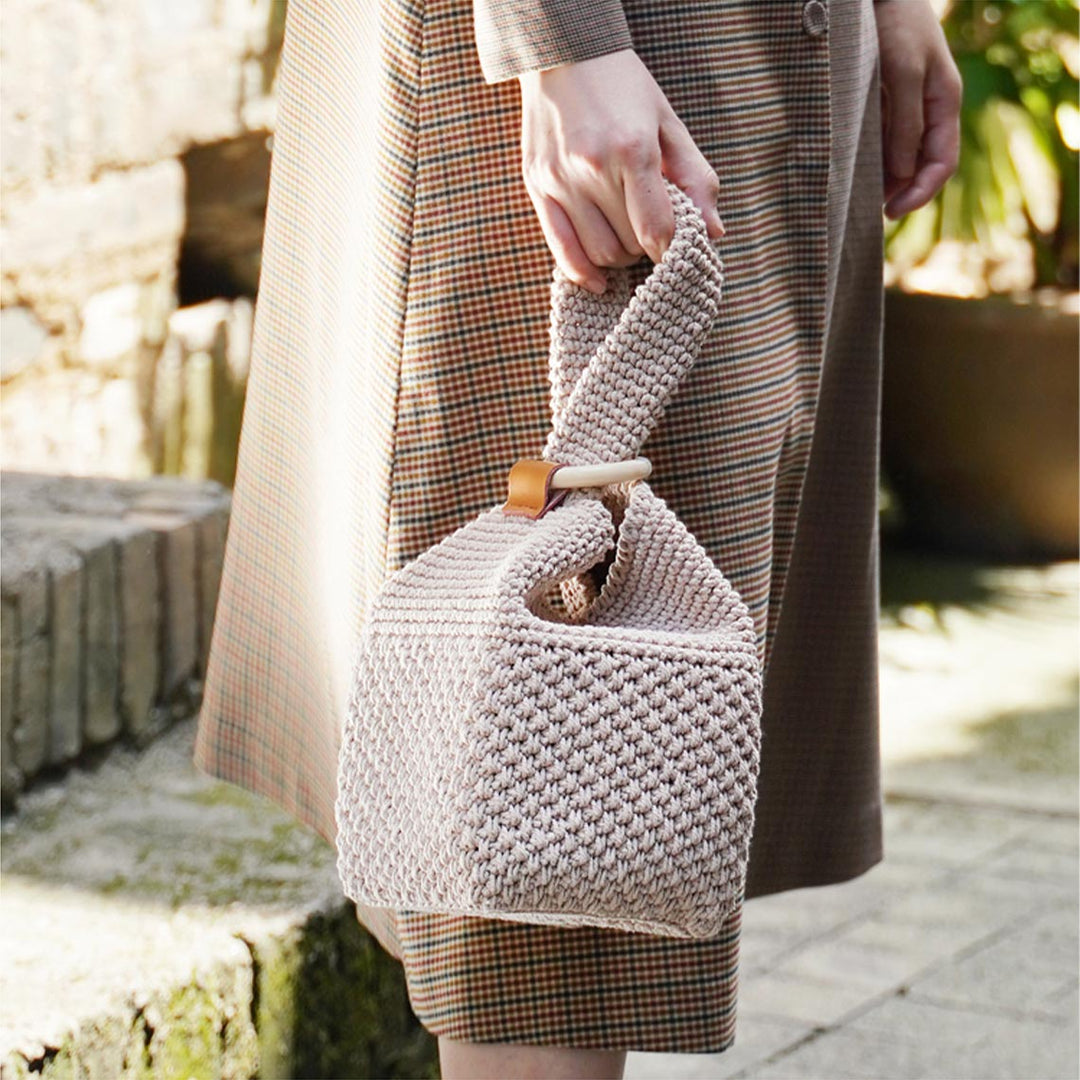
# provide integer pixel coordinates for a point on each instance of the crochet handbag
(529, 737)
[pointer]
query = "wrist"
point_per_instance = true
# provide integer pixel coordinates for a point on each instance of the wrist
(536, 75)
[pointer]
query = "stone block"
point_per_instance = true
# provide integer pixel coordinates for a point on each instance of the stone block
(24, 586)
(207, 1022)
(66, 650)
(118, 581)
(200, 387)
(102, 642)
(177, 535)
(20, 126)
(31, 735)
(212, 532)
(24, 579)
(21, 339)
(111, 326)
(140, 619)
(74, 420)
(149, 906)
(85, 228)
(11, 778)
(62, 633)
(204, 63)
(201, 327)
(94, 540)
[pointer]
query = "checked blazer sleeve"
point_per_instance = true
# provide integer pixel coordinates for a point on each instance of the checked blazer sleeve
(514, 36)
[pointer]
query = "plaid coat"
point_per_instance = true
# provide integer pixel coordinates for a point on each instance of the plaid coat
(399, 368)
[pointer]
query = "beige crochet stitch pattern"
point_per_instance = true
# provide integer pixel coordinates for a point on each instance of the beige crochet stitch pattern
(526, 742)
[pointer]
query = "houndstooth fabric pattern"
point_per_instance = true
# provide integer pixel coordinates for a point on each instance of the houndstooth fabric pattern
(594, 765)
(399, 369)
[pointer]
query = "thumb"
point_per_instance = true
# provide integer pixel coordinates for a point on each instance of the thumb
(686, 167)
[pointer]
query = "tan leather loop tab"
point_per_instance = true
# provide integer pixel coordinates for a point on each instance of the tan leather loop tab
(530, 492)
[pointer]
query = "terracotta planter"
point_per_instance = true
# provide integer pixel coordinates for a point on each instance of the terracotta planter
(980, 423)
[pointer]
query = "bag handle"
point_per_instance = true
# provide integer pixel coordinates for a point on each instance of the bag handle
(616, 359)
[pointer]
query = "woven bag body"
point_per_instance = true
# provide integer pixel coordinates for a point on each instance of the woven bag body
(526, 740)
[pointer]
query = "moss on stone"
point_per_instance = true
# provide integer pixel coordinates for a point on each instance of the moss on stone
(221, 794)
(186, 1043)
(277, 962)
(333, 1003)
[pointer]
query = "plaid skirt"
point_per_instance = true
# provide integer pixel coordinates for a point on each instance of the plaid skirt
(399, 367)
(486, 980)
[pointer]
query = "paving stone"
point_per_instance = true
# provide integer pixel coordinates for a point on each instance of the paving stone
(1011, 1050)
(1033, 862)
(761, 948)
(905, 1019)
(967, 903)
(755, 1039)
(922, 944)
(812, 1002)
(1007, 1050)
(947, 836)
(817, 910)
(1061, 834)
(820, 1058)
(1014, 973)
(877, 970)
(1063, 1001)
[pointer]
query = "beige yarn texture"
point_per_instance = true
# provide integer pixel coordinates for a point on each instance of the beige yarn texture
(524, 744)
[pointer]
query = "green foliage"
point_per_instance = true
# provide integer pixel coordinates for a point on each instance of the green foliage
(1018, 172)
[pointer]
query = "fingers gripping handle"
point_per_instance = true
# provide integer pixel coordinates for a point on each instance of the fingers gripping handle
(604, 406)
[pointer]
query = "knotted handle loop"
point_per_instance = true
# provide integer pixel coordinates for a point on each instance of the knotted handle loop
(614, 363)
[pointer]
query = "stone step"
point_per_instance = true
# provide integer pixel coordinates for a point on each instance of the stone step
(157, 922)
(109, 588)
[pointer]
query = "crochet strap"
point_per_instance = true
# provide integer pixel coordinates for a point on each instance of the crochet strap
(616, 359)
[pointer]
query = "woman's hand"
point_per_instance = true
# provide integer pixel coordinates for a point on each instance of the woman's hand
(597, 138)
(921, 91)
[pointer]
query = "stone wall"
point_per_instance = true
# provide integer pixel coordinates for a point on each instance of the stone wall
(108, 595)
(121, 125)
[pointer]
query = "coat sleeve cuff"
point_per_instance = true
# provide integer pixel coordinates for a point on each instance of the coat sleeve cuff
(515, 36)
